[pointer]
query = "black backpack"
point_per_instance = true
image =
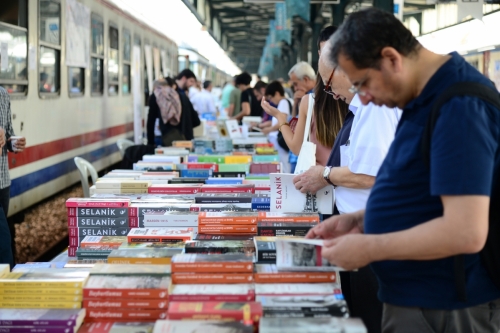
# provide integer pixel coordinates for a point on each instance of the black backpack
(490, 254)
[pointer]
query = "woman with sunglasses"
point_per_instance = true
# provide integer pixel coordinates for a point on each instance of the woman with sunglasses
(327, 118)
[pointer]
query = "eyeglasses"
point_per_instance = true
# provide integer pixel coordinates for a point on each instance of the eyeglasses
(356, 89)
(328, 87)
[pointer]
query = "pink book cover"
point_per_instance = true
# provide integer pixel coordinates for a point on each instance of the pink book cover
(89, 202)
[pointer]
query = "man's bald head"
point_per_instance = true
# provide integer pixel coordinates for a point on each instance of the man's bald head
(325, 69)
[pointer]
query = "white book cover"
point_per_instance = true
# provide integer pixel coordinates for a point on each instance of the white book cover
(211, 289)
(233, 129)
(286, 198)
(119, 190)
(311, 325)
(161, 158)
(301, 255)
(297, 288)
(187, 232)
(171, 219)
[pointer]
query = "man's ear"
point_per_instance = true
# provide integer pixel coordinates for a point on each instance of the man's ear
(391, 59)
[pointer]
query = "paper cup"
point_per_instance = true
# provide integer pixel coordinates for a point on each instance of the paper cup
(13, 140)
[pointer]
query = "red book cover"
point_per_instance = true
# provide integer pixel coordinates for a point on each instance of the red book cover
(104, 203)
(212, 263)
(289, 217)
(243, 188)
(227, 218)
(211, 293)
(263, 145)
(133, 222)
(174, 189)
(132, 315)
(264, 168)
(124, 293)
(215, 311)
(211, 278)
(72, 250)
(212, 298)
(74, 241)
(154, 304)
(269, 274)
(194, 165)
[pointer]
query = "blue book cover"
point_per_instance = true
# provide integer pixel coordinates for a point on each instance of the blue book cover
(261, 202)
(197, 173)
(224, 181)
(192, 158)
(35, 265)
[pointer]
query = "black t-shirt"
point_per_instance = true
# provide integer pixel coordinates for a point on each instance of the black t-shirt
(249, 97)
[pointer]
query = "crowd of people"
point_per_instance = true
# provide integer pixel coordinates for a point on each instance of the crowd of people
(410, 141)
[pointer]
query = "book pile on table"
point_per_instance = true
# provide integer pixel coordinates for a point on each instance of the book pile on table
(42, 288)
(41, 320)
(127, 293)
(121, 186)
(96, 217)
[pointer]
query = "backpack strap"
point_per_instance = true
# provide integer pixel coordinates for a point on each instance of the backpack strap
(473, 89)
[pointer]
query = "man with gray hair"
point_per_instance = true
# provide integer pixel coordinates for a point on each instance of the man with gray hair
(303, 80)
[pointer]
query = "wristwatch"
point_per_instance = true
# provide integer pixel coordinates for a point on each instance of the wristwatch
(326, 174)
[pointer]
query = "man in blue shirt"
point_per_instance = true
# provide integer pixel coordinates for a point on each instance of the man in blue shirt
(419, 217)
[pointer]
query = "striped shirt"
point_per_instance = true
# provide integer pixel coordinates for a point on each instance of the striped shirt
(6, 124)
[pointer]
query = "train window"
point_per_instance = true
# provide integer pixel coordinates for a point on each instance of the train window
(50, 46)
(76, 81)
(14, 72)
(48, 70)
(97, 77)
(127, 45)
(113, 62)
(97, 56)
(97, 35)
(15, 12)
(50, 21)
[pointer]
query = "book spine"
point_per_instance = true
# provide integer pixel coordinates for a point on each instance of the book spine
(210, 267)
(173, 191)
(306, 312)
(197, 173)
(35, 329)
(133, 222)
(70, 322)
(41, 298)
(230, 174)
(222, 200)
(187, 278)
(262, 207)
(97, 204)
(97, 212)
(72, 250)
(121, 185)
(142, 261)
(157, 239)
(112, 314)
(108, 231)
(283, 230)
(85, 222)
(52, 290)
(230, 220)
(295, 277)
(89, 293)
(40, 305)
(226, 229)
(227, 190)
(99, 246)
(212, 166)
(216, 250)
(212, 298)
(125, 303)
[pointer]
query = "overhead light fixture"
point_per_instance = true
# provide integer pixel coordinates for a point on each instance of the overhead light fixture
(326, 2)
(487, 48)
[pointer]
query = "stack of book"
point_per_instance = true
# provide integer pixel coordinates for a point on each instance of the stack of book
(126, 293)
(96, 217)
(42, 288)
(98, 247)
(207, 326)
(41, 320)
(120, 186)
(215, 223)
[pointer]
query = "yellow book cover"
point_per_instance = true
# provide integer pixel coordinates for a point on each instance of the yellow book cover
(140, 261)
(40, 305)
(4, 269)
(44, 291)
(41, 298)
(44, 278)
(242, 159)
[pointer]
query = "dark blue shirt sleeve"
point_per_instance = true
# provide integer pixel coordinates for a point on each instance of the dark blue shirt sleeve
(463, 148)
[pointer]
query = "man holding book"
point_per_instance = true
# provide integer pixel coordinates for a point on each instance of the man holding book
(427, 217)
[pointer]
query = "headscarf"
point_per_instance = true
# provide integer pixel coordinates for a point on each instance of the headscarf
(169, 102)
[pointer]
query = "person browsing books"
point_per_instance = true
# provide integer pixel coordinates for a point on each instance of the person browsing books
(358, 152)
(430, 212)
(327, 119)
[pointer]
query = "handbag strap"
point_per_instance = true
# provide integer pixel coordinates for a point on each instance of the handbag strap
(309, 118)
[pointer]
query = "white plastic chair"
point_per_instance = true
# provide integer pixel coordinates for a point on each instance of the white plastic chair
(123, 144)
(85, 168)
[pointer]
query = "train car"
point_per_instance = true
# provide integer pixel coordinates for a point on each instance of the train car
(78, 73)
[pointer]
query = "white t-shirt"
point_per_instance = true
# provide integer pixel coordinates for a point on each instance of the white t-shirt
(283, 107)
(372, 132)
